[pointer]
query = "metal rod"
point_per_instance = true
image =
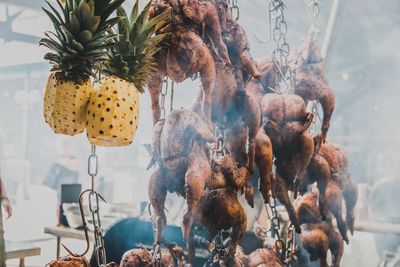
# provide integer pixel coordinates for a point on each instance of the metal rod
(377, 227)
(330, 29)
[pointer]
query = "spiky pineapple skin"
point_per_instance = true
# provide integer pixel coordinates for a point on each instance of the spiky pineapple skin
(65, 104)
(113, 113)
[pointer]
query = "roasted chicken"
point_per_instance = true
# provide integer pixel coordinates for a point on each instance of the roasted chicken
(69, 261)
(236, 40)
(182, 167)
(286, 121)
(219, 209)
(238, 117)
(329, 168)
(143, 258)
(318, 236)
(187, 54)
(311, 82)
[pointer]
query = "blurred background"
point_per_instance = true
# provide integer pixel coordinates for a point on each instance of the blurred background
(363, 65)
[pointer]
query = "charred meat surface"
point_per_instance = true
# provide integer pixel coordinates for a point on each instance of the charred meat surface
(329, 168)
(311, 82)
(182, 167)
(219, 209)
(143, 258)
(187, 53)
(318, 236)
(69, 261)
(286, 121)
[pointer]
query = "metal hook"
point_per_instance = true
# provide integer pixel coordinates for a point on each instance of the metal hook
(85, 228)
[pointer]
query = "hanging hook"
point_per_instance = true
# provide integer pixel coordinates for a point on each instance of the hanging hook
(85, 228)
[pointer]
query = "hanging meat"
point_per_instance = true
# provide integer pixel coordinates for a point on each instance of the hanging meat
(231, 107)
(329, 168)
(69, 261)
(286, 121)
(142, 257)
(181, 166)
(318, 236)
(257, 88)
(187, 54)
(219, 209)
(311, 82)
(235, 38)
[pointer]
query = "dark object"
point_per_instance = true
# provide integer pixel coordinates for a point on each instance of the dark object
(69, 194)
(130, 233)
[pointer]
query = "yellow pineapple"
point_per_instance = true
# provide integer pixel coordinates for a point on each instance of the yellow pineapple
(113, 111)
(78, 47)
(65, 105)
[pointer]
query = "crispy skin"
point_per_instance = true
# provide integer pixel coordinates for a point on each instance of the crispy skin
(182, 167)
(316, 243)
(285, 121)
(264, 257)
(238, 116)
(311, 82)
(69, 261)
(143, 258)
(258, 88)
(308, 213)
(329, 168)
(219, 208)
(186, 53)
(318, 238)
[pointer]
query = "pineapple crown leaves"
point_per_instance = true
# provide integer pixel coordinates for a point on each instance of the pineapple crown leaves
(132, 56)
(81, 36)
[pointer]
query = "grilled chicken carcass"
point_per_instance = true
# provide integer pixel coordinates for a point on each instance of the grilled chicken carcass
(318, 236)
(69, 261)
(329, 168)
(232, 109)
(237, 115)
(264, 257)
(143, 258)
(286, 121)
(219, 209)
(187, 53)
(182, 166)
(311, 82)
(236, 40)
(257, 88)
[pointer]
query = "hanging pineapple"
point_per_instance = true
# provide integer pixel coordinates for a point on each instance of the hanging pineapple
(113, 110)
(78, 46)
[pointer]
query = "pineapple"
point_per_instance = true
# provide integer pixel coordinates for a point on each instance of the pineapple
(113, 110)
(78, 48)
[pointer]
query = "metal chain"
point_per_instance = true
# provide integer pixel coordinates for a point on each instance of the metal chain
(93, 167)
(290, 245)
(164, 92)
(280, 55)
(314, 8)
(275, 229)
(234, 6)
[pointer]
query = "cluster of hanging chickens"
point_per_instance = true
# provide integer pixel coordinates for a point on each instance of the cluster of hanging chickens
(238, 125)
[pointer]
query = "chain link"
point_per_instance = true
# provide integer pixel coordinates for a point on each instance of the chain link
(276, 228)
(93, 166)
(234, 6)
(280, 55)
(315, 27)
(290, 246)
(164, 93)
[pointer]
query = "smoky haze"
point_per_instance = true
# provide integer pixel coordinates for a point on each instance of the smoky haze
(363, 69)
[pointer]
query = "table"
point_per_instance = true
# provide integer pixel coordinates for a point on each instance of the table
(66, 232)
(18, 250)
